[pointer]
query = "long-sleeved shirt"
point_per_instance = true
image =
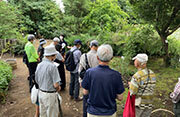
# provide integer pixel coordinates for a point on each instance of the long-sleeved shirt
(142, 85)
(31, 52)
(77, 56)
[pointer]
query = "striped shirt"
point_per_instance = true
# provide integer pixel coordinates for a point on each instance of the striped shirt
(142, 85)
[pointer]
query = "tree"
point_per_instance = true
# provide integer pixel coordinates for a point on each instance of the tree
(164, 15)
(40, 16)
(75, 11)
(104, 16)
(8, 21)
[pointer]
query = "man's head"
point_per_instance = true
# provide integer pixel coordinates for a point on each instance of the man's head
(50, 52)
(62, 36)
(56, 41)
(77, 43)
(140, 60)
(42, 41)
(105, 53)
(94, 45)
(31, 37)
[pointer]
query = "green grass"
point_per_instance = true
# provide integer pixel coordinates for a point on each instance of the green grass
(166, 80)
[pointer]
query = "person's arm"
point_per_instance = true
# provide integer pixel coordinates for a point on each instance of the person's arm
(56, 78)
(57, 86)
(77, 56)
(34, 52)
(86, 83)
(133, 86)
(120, 87)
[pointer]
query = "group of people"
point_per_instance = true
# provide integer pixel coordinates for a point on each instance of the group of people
(101, 84)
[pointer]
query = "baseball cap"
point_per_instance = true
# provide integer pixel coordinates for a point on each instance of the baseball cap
(77, 41)
(143, 58)
(94, 43)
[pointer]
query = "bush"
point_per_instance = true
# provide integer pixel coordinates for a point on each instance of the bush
(5, 78)
(19, 46)
(174, 51)
(85, 38)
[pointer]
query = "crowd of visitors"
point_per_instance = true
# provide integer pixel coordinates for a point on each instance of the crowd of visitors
(90, 71)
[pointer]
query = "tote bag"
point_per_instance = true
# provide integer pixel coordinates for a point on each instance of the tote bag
(129, 109)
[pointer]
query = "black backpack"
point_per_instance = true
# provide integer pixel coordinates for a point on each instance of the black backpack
(69, 61)
(25, 58)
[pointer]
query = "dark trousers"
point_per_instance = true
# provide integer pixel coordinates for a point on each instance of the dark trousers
(62, 75)
(85, 105)
(32, 69)
(176, 109)
(74, 85)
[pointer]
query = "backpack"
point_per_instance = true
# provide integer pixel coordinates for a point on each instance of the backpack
(25, 58)
(83, 71)
(69, 61)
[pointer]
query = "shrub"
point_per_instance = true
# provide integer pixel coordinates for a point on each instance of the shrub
(85, 38)
(5, 78)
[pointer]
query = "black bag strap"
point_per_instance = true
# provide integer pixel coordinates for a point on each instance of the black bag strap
(147, 83)
(87, 64)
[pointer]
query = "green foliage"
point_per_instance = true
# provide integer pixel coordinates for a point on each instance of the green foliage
(42, 17)
(5, 78)
(103, 16)
(163, 15)
(19, 46)
(85, 38)
(75, 11)
(8, 22)
(174, 51)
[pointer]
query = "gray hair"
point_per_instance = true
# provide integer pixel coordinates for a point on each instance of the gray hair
(105, 53)
(30, 37)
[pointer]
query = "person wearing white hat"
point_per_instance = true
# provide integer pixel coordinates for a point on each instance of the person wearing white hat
(42, 42)
(48, 80)
(142, 85)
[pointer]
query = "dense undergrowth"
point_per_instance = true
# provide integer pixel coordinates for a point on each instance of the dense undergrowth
(5, 78)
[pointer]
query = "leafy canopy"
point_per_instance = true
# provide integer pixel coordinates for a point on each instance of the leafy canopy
(103, 16)
(8, 21)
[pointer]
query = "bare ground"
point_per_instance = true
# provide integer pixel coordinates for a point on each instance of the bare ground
(18, 103)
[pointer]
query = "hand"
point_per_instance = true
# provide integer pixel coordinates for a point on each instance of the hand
(58, 88)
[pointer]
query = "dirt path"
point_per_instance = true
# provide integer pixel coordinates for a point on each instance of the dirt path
(18, 102)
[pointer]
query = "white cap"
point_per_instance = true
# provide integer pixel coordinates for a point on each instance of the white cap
(105, 53)
(50, 50)
(143, 58)
(56, 39)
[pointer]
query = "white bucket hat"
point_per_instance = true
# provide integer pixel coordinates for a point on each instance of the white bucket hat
(56, 39)
(143, 58)
(50, 50)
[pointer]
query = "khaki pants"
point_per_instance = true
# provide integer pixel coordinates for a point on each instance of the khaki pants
(89, 115)
(48, 104)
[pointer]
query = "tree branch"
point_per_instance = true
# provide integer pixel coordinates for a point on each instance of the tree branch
(173, 15)
(169, 33)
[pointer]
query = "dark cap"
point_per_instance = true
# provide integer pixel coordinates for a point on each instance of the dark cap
(77, 41)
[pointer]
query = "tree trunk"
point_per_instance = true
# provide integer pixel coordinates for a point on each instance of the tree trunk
(165, 47)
